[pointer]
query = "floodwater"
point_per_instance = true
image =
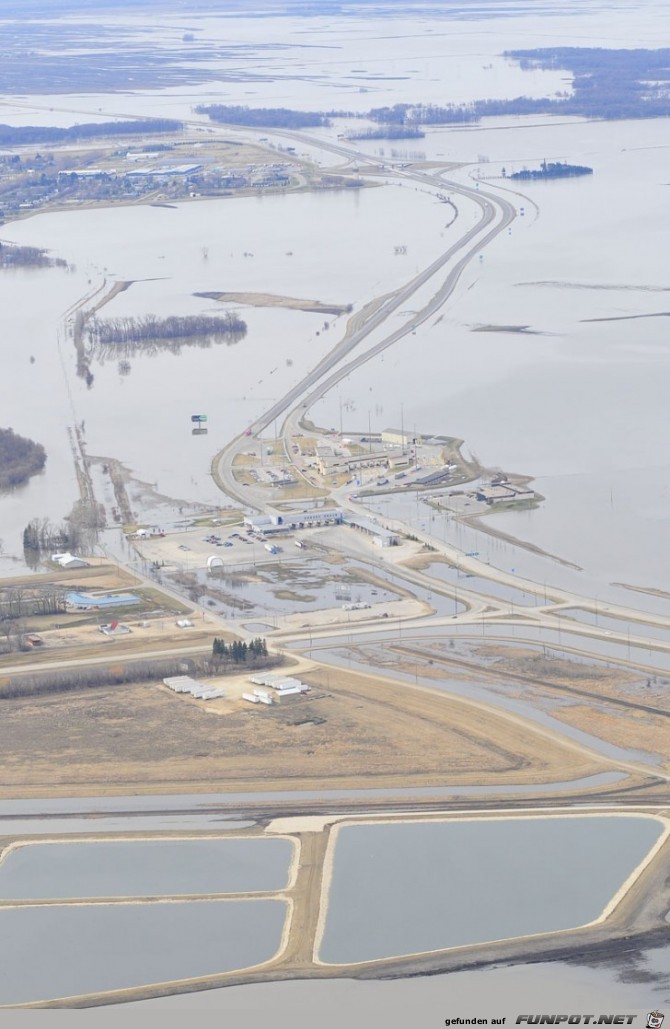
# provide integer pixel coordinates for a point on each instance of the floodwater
(181, 822)
(61, 951)
(542, 570)
(461, 580)
(144, 868)
(286, 586)
(501, 694)
(637, 983)
(547, 401)
(412, 887)
(505, 393)
(143, 417)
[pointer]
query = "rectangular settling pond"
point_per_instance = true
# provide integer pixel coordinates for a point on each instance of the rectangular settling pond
(144, 868)
(408, 887)
(63, 951)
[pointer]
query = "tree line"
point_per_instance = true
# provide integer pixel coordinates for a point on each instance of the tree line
(265, 117)
(136, 331)
(96, 676)
(19, 601)
(72, 679)
(389, 132)
(24, 135)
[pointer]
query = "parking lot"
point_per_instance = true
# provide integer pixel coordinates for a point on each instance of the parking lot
(191, 549)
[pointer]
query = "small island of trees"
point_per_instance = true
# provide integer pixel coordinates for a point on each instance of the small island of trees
(19, 458)
(552, 170)
(264, 117)
(13, 256)
(136, 332)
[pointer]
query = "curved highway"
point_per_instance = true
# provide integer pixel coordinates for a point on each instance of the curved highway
(496, 214)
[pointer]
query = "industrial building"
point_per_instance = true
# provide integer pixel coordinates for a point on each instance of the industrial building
(381, 537)
(399, 437)
(329, 462)
(69, 561)
(503, 493)
(434, 478)
(88, 602)
(294, 520)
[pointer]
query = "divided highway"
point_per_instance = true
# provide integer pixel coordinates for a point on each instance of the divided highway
(496, 214)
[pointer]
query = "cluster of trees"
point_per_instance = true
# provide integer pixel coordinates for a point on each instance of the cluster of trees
(265, 117)
(136, 331)
(423, 114)
(25, 135)
(18, 601)
(12, 256)
(552, 170)
(19, 458)
(390, 132)
(42, 534)
(239, 652)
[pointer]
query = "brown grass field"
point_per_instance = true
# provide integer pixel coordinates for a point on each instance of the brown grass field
(350, 731)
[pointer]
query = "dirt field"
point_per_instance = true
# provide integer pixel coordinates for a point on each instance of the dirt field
(351, 731)
(86, 643)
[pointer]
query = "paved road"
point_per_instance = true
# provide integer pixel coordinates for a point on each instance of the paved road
(496, 214)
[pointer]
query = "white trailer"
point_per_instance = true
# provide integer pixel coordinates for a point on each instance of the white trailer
(266, 679)
(173, 681)
(266, 700)
(251, 697)
(281, 684)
